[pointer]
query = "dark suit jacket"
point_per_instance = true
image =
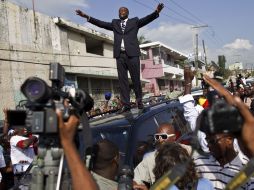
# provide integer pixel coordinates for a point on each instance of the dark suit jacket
(130, 34)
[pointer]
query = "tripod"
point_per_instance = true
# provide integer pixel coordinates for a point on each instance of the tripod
(47, 170)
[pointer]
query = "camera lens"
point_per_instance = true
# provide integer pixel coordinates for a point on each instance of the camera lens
(36, 90)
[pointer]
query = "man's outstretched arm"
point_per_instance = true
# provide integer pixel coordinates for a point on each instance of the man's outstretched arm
(149, 18)
(94, 21)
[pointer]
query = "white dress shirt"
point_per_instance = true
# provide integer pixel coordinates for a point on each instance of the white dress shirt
(122, 43)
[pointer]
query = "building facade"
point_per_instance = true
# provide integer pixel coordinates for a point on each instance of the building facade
(162, 66)
(29, 41)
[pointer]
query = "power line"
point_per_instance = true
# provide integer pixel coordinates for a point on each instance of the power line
(209, 36)
(171, 17)
(187, 18)
(198, 19)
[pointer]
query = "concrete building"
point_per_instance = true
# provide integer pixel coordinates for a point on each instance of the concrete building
(29, 41)
(161, 65)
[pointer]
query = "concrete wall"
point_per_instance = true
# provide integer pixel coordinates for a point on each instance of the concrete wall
(28, 44)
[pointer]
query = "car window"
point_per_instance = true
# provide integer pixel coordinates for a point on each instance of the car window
(118, 136)
(149, 126)
(172, 115)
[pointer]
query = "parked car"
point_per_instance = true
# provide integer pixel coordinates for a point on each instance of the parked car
(127, 130)
(249, 81)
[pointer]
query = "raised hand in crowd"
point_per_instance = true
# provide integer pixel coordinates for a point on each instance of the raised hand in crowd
(188, 77)
(247, 133)
(81, 177)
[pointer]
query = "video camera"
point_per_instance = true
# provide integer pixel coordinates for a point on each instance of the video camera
(42, 101)
(221, 118)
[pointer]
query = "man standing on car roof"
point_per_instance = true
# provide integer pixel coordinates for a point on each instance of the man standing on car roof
(126, 50)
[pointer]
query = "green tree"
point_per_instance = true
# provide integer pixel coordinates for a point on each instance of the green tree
(142, 40)
(222, 66)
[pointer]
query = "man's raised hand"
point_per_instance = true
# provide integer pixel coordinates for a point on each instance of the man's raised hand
(80, 13)
(160, 7)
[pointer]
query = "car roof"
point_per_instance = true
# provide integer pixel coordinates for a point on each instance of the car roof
(127, 119)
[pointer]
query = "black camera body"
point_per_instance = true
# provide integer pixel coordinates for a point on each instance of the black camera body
(221, 118)
(42, 101)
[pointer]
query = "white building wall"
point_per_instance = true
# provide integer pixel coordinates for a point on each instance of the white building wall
(28, 45)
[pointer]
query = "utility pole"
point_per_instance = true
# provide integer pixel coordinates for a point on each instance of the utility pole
(204, 52)
(195, 39)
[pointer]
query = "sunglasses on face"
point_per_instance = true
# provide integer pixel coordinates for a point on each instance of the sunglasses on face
(162, 136)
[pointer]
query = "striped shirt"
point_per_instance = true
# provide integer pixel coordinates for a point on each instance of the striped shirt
(208, 167)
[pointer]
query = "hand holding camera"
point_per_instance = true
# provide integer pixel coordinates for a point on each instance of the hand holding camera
(67, 129)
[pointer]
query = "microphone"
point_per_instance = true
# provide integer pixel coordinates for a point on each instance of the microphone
(242, 177)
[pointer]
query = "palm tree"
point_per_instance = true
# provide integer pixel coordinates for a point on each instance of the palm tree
(142, 40)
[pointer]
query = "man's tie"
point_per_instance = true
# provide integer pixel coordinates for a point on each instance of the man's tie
(123, 25)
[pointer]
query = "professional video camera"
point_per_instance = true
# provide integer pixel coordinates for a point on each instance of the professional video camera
(221, 118)
(43, 100)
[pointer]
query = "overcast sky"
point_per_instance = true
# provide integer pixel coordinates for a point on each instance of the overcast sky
(230, 30)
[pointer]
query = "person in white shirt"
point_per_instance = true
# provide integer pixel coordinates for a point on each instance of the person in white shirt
(191, 113)
(223, 163)
(22, 152)
(143, 173)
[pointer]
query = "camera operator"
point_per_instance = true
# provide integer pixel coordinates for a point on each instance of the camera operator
(81, 177)
(246, 139)
(225, 162)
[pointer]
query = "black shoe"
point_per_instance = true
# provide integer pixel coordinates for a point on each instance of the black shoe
(140, 106)
(124, 109)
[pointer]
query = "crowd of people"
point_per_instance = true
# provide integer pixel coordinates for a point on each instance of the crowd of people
(212, 165)
(220, 148)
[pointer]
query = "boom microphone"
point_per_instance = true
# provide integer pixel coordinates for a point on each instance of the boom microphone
(242, 177)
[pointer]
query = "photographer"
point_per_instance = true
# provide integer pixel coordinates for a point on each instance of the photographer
(81, 177)
(224, 162)
(246, 138)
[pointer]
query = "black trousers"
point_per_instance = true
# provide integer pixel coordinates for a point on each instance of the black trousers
(131, 64)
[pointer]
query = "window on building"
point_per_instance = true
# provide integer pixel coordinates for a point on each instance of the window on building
(94, 46)
(156, 56)
(144, 54)
(161, 84)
